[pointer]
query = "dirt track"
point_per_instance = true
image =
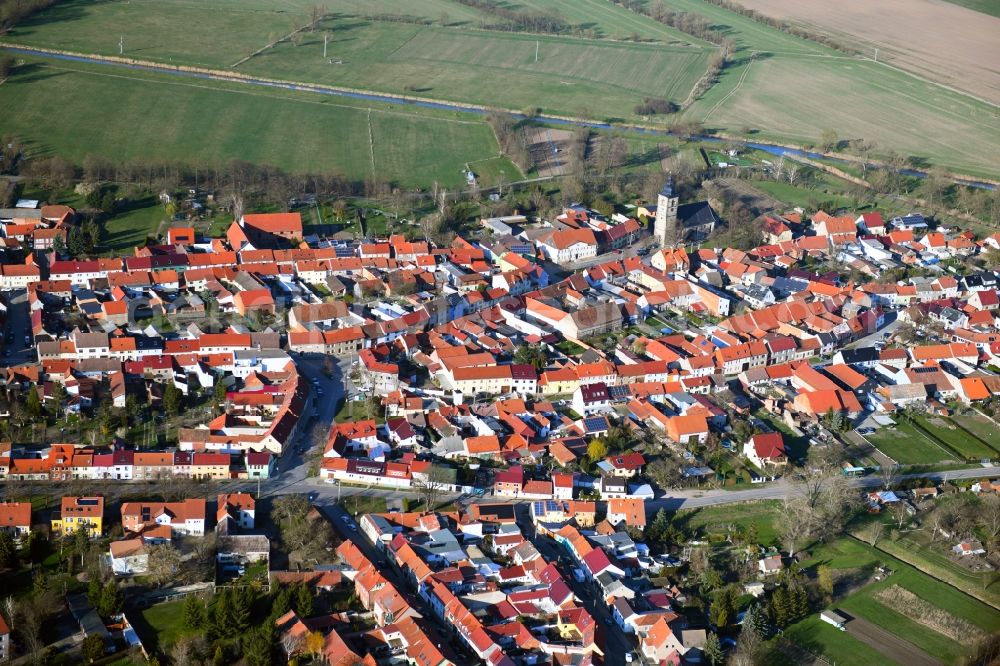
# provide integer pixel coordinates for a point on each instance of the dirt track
(936, 39)
(892, 646)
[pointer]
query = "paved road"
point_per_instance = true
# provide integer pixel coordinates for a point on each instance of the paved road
(611, 638)
(892, 322)
(15, 351)
(891, 645)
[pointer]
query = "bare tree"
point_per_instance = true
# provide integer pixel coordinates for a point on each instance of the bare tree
(794, 524)
(792, 173)
(888, 475)
(431, 486)
(899, 514)
(164, 561)
(989, 515)
(873, 533)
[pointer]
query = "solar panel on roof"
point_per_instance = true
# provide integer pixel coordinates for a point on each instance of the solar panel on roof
(618, 391)
(595, 423)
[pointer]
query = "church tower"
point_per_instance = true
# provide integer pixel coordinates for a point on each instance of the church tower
(665, 227)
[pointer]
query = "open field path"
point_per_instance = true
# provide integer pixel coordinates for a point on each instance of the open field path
(898, 650)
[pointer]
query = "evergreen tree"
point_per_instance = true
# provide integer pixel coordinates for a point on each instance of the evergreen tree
(172, 399)
(92, 233)
(221, 615)
(220, 657)
(799, 602)
(723, 607)
(303, 601)
(219, 393)
(34, 404)
(111, 602)
(94, 590)
(75, 244)
(58, 246)
(755, 620)
(259, 646)
(282, 603)
(240, 608)
(656, 532)
(780, 610)
(92, 648)
(195, 616)
(713, 650)
(8, 551)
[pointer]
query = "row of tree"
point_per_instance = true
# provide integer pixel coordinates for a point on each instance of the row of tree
(13, 11)
(513, 138)
(523, 20)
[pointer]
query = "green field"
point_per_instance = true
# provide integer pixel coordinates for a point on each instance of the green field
(608, 20)
(991, 7)
(789, 98)
(789, 92)
(169, 118)
(819, 637)
(908, 446)
(850, 556)
(489, 68)
(604, 78)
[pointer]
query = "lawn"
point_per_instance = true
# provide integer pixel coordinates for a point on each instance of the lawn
(159, 626)
(908, 446)
(129, 228)
(716, 520)
(158, 117)
(358, 505)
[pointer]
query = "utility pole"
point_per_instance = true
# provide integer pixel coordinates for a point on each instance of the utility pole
(876, 54)
(325, 38)
(121, 45)
(536, 50)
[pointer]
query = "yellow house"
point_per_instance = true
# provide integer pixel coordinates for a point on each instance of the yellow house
(559, 381)
(76, 513)
(210, 466)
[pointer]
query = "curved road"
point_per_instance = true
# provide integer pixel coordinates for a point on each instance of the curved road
(443, 106)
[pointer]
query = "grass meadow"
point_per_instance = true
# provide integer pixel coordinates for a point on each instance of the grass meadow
(572, 76)
(908, 446)
(208, 122)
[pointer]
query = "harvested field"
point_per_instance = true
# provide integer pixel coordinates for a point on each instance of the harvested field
(927, 614)
(945, 42)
